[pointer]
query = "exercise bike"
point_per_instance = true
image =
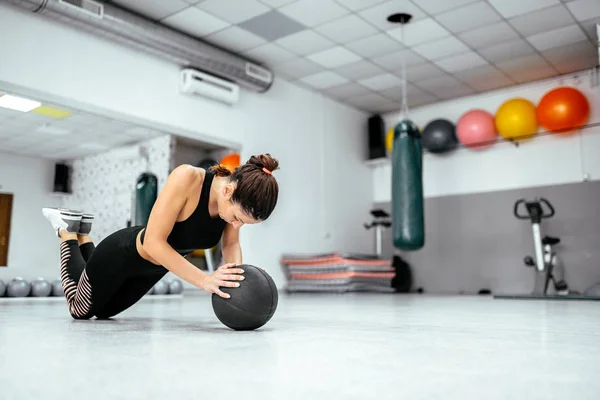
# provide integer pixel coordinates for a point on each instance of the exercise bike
(546, 263)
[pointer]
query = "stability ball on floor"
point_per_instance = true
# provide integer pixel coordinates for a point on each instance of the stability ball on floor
(476, 129)
(18, 287)
(161, 287)
(439, 136)
(563, 110)
(2, 288)
(251, 305)
(175, 287)
(57, 289)
(41, 288)
(516, 119)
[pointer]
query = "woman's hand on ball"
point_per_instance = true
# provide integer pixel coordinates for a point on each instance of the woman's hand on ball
(225, 276)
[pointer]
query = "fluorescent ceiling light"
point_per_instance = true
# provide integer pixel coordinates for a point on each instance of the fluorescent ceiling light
(18, 103)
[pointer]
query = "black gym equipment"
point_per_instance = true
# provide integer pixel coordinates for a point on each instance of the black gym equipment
(251, 305)
(546, 263)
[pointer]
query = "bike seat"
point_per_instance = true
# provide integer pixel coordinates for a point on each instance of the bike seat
(550, 240)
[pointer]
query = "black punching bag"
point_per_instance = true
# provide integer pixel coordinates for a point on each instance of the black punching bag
(408, 221)
(439, 136)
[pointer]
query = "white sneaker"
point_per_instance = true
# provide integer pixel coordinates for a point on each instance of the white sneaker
(85, 227)
(62, 218)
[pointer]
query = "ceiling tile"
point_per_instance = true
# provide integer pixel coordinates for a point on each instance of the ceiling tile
(346, 29)
(507, 50)
(235, 38)
(485, 78)
(572, 57)
(359, 70)
(272, 25)
(356, 5)
(435, 7)
(424, 30)
(590, 28)
(195, 22)
(270, 54)
(377, 15)
(374, 46)
(420, 99)
(584, 9)
(489, 35)
(305, 42)
(347, 89)
(323, 80)
(432, 84)
(298, 68)
(396, 94)
(461, 62)
(276, 3)
(542, 20)
(155, 10)
(233, 11)
(557, 37)
(512, 8)
(314, 12)
(334, 57)
(441, 48)
(381, 82)
(373, 103)
(469, 17)
(528, 68)
(422, 71)
(393, 61)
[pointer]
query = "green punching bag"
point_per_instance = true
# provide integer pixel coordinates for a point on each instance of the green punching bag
(146, 191)
(408, 221)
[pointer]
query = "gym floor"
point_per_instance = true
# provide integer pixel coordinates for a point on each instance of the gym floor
(356, 346)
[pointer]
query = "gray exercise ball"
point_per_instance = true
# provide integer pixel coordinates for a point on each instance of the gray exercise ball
(593, 291)
(41, 288)
(2, 288)
(175, 287)
(18, 287)
(57, 289)
(161, 287)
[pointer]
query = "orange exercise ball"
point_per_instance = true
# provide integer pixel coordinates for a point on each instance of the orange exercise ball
(563, 110)
(516, 119)
(231, 161)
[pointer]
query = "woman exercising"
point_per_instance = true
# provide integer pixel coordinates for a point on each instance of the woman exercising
(195, 210)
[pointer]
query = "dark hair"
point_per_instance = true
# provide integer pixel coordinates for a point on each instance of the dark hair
(256, 190)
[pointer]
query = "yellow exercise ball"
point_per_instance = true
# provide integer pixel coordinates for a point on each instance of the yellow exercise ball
(389, 139)
(516, 119)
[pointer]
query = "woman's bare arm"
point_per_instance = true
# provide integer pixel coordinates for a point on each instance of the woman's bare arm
(163, 216)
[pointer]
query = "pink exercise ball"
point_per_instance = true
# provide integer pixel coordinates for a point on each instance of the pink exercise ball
(476, 129)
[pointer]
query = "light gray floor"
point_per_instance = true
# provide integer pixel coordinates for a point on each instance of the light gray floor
(315, 347)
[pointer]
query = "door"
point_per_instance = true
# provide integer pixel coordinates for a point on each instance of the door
(5, 214)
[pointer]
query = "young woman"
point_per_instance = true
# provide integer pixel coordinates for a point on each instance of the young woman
(195, 210)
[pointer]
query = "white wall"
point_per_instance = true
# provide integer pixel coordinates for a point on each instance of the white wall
(320, 143)
(543, 160)
(33, 246)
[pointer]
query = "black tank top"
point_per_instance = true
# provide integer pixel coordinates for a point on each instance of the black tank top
(200, 230)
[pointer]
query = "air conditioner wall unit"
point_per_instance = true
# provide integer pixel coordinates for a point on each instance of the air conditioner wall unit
(197, 83)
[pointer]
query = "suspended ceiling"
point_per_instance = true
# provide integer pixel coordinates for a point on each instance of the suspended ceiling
(64, 132)
(347, 50)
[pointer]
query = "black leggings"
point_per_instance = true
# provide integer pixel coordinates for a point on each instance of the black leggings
(106, 280)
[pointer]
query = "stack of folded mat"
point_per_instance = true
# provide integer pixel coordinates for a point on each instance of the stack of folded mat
(337, 272)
